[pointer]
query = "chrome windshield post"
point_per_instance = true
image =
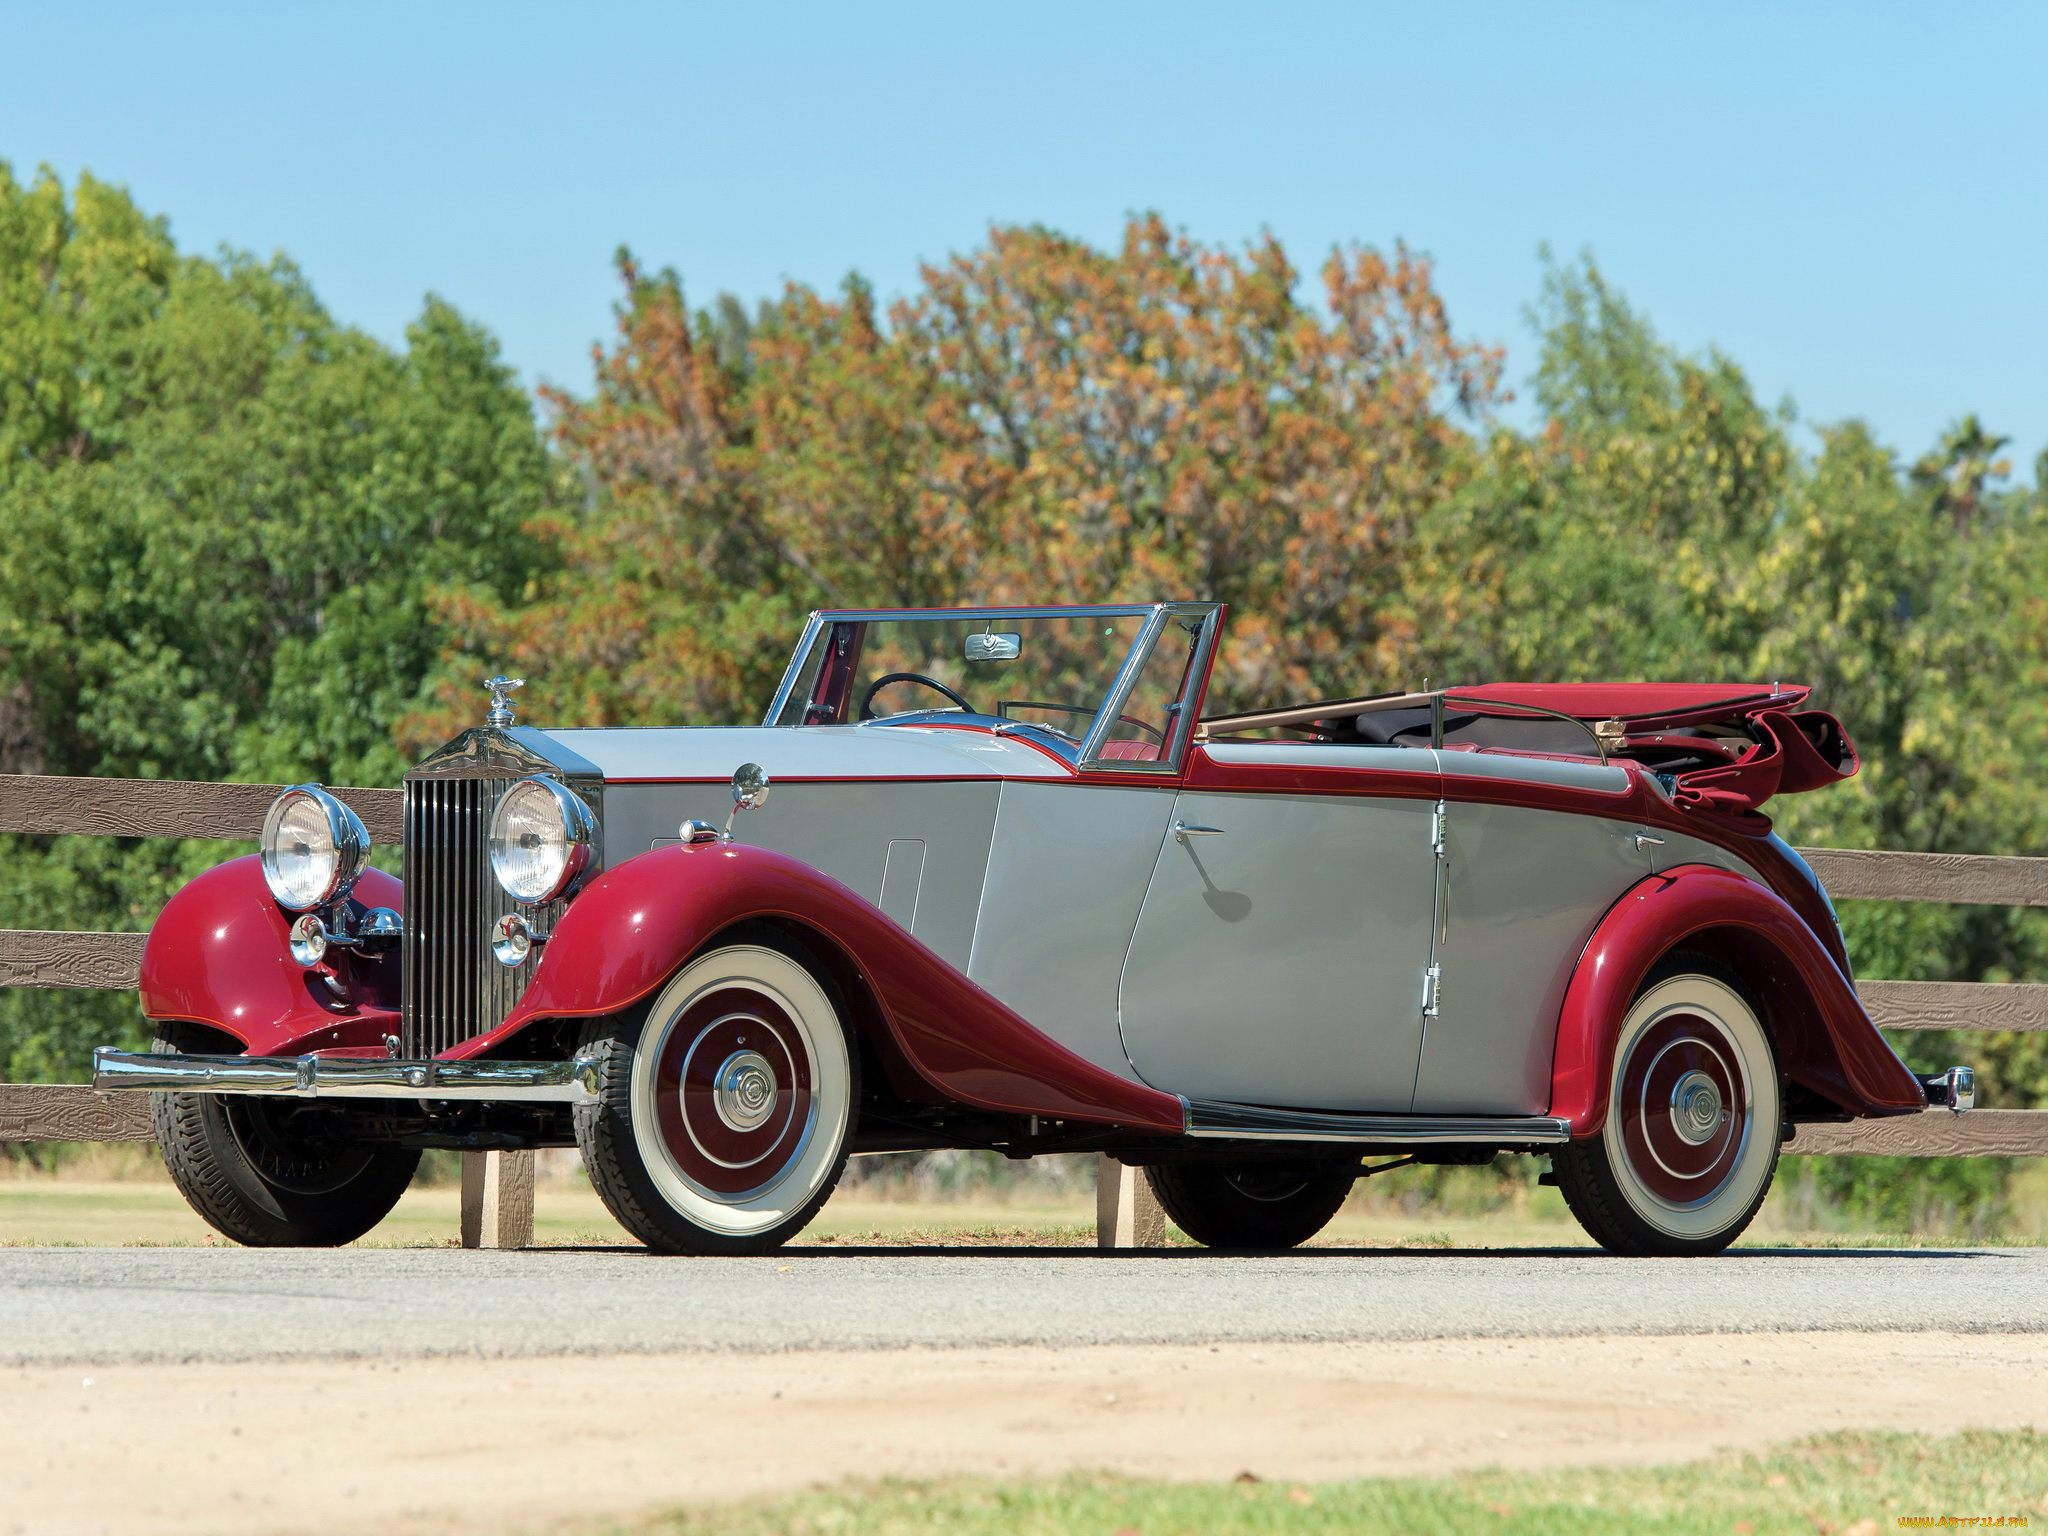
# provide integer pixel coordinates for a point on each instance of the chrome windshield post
(1126, 680)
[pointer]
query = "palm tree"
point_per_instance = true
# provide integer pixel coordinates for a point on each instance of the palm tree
(1958, 469)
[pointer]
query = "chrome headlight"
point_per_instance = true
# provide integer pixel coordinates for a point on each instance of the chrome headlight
(313, 848)
(543, 840)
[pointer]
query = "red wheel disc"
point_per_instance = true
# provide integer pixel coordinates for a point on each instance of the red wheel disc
(1683, 1108)
(732, 1091)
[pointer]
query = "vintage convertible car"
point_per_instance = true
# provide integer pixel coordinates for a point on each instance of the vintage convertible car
(1016, 891)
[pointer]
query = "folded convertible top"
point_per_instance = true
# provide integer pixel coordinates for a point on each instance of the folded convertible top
(1640, 706)
(1718, 748)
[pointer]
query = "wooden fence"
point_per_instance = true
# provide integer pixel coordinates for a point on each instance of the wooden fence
(164, 808)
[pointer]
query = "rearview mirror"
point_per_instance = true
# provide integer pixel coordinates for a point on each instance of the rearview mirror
(994, 647)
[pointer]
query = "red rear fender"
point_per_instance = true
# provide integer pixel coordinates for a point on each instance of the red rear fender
(1825, 1040)
(630, 931)
(219, 953)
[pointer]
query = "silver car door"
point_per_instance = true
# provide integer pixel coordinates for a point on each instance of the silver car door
(1066, 875)
(1280, 958)
(1525, 884)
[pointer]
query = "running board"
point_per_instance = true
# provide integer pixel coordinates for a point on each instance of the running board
(1255, 1122)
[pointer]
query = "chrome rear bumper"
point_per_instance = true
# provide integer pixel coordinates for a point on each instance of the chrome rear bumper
(315, 1077)
(1954, 1089)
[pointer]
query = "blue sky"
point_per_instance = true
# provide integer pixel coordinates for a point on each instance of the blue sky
(1850, 200)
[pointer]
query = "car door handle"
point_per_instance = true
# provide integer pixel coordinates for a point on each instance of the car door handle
(1644, 840)
(1183, 830)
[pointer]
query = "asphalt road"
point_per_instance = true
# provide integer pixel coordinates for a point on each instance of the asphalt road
(92, 1305)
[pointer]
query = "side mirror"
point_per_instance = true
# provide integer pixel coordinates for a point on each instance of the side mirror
(750, 787)
(750, 784)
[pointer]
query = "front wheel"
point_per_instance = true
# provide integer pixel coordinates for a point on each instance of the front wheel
(1251, 1205)
(725, 1108)
(266, 1172)
(1693, 1117)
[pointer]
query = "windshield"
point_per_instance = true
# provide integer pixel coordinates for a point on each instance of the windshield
(1048, 674)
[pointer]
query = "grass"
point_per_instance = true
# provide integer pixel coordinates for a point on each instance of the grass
(1849, 1485)
(74, 1213)
(118, 1195)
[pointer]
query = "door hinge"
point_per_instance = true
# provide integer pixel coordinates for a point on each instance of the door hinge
(1440, 829)
(1432, 990)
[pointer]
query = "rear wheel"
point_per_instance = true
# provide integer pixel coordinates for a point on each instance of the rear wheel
(264, 1173)
(726, 1107)
(1251, 1205)
(1693, 1115)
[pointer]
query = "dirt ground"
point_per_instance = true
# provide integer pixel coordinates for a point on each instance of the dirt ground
(544, 1445)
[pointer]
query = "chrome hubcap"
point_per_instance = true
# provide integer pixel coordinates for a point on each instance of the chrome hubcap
(1696, 1109)
(744, 1091)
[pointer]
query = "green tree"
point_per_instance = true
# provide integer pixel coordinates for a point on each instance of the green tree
(221, 513)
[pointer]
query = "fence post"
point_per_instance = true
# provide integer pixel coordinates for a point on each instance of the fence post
(497, 1199)
(1127, 1215)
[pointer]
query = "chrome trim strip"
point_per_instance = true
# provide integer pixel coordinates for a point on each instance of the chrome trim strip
(315, 1077)
(1254, 1122)
(1042, 611)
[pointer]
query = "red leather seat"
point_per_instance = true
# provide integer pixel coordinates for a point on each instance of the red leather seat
(1130, 751)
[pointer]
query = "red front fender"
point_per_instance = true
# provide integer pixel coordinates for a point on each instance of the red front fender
(636, 924)
(220, 953)
(1825, 1040)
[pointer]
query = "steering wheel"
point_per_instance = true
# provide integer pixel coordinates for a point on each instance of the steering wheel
(867, 700)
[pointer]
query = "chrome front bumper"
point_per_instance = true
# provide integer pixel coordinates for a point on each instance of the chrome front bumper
(316, 1077)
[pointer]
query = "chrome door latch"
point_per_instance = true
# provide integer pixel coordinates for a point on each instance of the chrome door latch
(1183, 830)
(1644, 840)
(1440, 829)
(1432, 991)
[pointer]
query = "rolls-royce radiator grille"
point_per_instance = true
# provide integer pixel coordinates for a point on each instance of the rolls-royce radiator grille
(453, 986)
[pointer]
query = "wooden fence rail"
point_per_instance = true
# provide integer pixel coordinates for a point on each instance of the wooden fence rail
(162, 808)
(1983, 878)
(165, 807)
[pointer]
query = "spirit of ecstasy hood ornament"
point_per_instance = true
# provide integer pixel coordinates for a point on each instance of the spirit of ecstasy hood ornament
(501, 706)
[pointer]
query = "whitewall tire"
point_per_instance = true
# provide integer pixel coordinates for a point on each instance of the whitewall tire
(727, 1104)
(1694, 1113)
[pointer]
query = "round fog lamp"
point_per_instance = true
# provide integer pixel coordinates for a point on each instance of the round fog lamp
(309, 940)
(511, 939)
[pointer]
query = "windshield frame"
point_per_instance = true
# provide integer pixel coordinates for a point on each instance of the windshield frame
(1156, 617)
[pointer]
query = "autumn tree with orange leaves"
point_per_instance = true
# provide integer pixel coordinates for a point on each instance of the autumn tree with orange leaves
(1041, 421)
